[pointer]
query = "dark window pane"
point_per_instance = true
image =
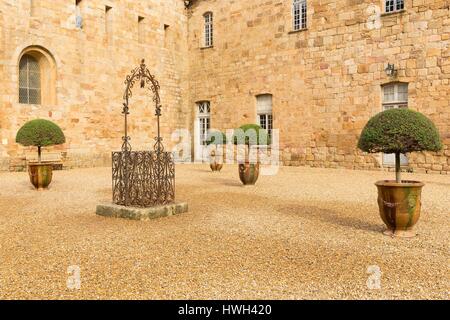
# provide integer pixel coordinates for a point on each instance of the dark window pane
(34, 80)
(35, 96)
(23, 78)
(29, 80)
(23, 95)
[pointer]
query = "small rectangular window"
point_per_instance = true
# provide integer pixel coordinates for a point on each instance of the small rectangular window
(141, 29)
(299, 13)
(394, 5)
(208, 29)
(167, 36)
(395, 95)
(33, 7)
(108, 23)
(78, 15)
(264, 112)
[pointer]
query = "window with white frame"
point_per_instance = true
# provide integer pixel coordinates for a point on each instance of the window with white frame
(208, 29)
(395, 95)
(394, 5)
(264, 112)
(204, 120)
(299, 13)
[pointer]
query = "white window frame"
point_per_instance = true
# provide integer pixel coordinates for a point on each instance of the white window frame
(299, 15)
(268, 122)
(399, 100)
(394, 5)
(209, 30)
(265, 114)
(204, 117)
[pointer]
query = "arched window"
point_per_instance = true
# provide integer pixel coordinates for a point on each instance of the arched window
(299, 14)
(208, 29)
(29, 80)
(37, 76)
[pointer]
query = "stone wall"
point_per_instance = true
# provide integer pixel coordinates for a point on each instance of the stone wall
(326, 80)
(90, 70)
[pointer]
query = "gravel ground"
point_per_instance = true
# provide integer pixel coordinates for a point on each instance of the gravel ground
(303, 234)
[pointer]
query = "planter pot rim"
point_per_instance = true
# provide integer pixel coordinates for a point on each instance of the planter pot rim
(405, 183)
(42, 163)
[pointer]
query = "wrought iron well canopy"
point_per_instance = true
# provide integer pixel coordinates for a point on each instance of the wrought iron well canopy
(143, 178)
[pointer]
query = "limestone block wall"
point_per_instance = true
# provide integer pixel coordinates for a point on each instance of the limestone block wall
(326, 80)
(90, 65)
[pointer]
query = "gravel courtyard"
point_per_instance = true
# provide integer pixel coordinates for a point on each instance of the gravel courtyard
(302, 234)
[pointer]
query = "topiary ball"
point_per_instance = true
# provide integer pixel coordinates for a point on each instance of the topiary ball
(251, 134)
(399, 131)
(40, 133)
(216, 137)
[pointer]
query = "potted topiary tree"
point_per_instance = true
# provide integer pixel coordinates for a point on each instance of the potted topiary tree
(216, 139)
(399, 131)
(250, 135)
(40, 133)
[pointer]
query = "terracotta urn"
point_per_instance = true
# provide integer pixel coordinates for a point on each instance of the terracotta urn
(400, 205)
(249, 173)
(40, 175)
(215, 164)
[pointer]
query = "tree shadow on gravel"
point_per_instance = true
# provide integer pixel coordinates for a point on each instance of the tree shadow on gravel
(219, 180)
(330, 217)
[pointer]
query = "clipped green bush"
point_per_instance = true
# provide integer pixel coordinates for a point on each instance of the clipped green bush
(216, 137)
(40, 133)
(251, 134)
(399, 131)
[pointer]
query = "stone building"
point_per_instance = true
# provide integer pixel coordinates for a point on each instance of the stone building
(83, 51)
(314, 70)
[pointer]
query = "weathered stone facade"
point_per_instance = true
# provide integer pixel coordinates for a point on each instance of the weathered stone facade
(91, 67)
(326, 80)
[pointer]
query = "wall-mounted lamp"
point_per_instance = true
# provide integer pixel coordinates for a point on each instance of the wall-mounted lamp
(390, 70)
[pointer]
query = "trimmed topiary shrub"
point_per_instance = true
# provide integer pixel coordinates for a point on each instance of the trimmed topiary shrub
(40, 133)
(216, 137)
(251, 134)
(399, 131)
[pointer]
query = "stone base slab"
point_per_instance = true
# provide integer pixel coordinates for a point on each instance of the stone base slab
(133, 213)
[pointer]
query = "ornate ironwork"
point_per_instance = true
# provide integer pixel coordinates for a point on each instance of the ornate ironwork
(143, 178)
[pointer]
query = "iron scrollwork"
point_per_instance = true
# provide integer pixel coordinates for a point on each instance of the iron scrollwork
(143, 178)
